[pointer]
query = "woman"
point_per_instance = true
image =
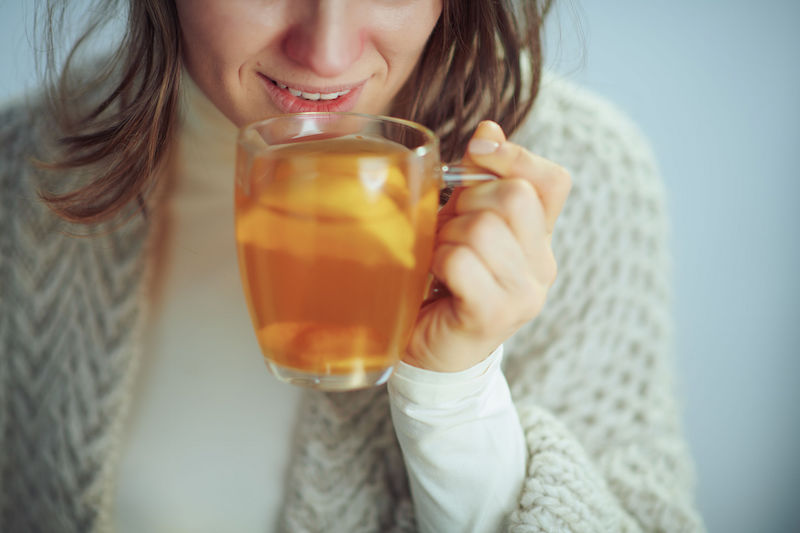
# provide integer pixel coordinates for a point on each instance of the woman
(576, 431)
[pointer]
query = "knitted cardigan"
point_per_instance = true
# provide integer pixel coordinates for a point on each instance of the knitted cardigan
(590, 377)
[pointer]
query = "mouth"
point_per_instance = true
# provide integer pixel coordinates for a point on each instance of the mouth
(291, 98)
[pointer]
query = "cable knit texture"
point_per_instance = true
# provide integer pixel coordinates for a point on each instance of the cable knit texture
(591, 376)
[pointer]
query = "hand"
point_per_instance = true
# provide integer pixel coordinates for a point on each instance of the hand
(493, 253)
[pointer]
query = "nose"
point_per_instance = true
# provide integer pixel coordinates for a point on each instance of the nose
(326, 38)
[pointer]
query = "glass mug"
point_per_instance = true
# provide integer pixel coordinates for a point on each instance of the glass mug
(335, 226)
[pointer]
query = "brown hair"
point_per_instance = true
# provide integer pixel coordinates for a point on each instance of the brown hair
(482, 61)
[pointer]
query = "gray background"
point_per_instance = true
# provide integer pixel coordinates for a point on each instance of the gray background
(716, 87)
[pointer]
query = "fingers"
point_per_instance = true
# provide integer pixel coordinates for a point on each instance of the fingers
(492, 242)
(516, 202)
(490, 150)
(493, 253)
(464, 274)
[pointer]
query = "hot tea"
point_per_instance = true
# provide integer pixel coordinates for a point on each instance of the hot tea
(334, 238)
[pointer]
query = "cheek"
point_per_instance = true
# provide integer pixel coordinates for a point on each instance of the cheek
(218, 34)
(219, 38)
(401, 36)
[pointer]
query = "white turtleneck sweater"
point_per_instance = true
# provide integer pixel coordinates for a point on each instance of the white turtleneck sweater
(208, 439)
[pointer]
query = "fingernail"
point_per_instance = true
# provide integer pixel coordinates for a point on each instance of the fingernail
(482, 146)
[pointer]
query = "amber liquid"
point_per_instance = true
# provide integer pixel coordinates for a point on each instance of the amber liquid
(334, 239)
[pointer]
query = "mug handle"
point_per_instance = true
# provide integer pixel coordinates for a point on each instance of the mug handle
(464, 176)
(453, 176)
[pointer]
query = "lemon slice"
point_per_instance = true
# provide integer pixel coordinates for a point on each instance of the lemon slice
(336, 220)
(314, 340)
(344, 198)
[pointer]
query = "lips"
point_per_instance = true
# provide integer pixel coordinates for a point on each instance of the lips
(291, 98)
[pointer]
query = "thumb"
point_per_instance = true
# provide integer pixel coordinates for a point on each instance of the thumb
(487, 139)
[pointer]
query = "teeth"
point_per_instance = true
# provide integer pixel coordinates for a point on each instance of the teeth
(313, 96)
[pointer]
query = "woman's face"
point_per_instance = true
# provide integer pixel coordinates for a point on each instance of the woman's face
(256, 58)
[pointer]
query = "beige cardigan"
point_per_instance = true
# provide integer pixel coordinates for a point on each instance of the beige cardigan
(591, 376)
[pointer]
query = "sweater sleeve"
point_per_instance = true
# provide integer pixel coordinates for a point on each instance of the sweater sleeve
(592, 375)
(462, 445)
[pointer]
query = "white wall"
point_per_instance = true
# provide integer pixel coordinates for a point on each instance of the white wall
(16, 56)
(716, 86)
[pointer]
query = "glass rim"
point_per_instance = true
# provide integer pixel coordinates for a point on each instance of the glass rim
(430, 144)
